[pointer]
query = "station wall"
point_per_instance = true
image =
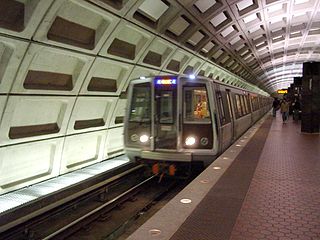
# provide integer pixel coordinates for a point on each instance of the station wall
(65, 66)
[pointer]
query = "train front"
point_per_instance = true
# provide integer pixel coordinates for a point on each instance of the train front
(169, 124)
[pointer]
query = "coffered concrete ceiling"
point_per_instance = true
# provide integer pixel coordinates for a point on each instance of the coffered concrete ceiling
(263, 41)
(65, 66)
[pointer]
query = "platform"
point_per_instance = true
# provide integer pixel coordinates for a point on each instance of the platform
(265, 186)
(20, 205)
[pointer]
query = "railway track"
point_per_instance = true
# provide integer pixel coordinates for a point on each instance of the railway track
(104, 212)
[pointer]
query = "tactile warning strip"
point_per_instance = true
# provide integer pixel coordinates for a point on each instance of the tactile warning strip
(216, 214)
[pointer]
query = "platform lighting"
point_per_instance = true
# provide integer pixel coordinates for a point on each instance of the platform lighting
(190, 141)
(142, 78)
(192, 76)
(144, 138)
(186, 200)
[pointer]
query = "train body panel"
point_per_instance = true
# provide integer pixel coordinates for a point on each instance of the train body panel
(183, 120)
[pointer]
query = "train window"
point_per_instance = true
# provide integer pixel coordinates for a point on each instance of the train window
(141, 103)
(223, 107)
(252, 99)
(244, 110)
(166, 103)
(248, 103)
(227, 93)
(255, 103)
(220, 108)
(245, 104)
(238, 105)
(196, 105)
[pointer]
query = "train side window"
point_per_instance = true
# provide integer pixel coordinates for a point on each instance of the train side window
(140, 110)
(256, 103)
(253, 102)
(244, 110)
(220, 108)
(223, 107)
(196, 105)
(238, 106)
(245, 104)
(228, 100)
(226, 106)
(248, 103)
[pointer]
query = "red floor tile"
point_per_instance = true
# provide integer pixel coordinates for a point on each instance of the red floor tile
(283, 201)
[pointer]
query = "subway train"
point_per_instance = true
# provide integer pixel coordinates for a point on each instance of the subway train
(178, 123)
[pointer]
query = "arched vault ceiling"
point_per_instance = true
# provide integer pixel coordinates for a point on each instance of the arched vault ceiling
(267, 38)
(258, 40)
(251, 38)
(65, 66)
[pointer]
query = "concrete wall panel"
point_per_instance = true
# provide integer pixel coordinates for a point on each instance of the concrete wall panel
(11, 54)
(76, 24)
(47, 70)
(82, 150)
(29, 163)
(91, 113)
(29, 118)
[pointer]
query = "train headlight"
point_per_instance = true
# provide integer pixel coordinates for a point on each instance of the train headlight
(144, 138)
(190, 141)
(192, 76)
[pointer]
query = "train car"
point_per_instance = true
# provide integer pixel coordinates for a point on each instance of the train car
(176, 123)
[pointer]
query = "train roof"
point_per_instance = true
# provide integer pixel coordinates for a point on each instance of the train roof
(258, 91)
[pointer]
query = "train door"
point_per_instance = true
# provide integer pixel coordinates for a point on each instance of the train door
(232, 116)
(165, 114)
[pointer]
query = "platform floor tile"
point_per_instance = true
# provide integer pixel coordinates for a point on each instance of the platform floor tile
(283, 201)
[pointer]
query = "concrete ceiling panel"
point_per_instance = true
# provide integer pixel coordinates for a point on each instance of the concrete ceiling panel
(76, 25)
(106, 77)
(121, 47)
(155, 15)
(158, 53)
(49, 70)
(11, 54)
(21, 18)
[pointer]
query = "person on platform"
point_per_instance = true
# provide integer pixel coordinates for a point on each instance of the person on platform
(275, 106)
(296, 109)
(284, 108)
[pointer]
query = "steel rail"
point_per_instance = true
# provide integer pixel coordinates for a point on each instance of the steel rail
(92, 212)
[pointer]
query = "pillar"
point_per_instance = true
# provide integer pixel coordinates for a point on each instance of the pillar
(310, 98)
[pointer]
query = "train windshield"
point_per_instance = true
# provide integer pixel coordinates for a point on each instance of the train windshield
(141, 103)
(196, 106)
(166, 107)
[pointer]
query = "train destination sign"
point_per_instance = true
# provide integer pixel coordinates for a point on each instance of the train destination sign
(166, 81)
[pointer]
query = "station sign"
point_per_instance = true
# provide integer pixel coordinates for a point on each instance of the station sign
(282, 91)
